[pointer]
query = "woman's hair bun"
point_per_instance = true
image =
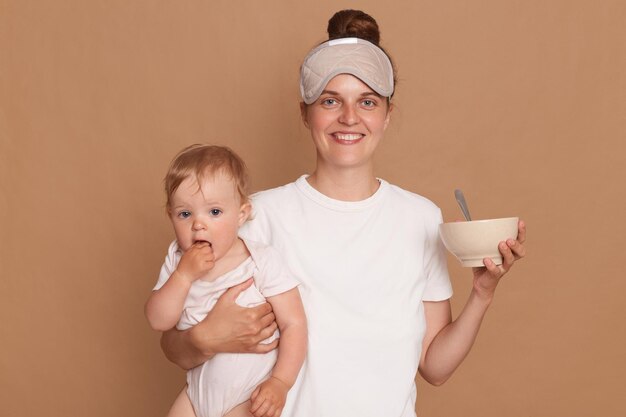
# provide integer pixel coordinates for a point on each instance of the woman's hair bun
(353, 24)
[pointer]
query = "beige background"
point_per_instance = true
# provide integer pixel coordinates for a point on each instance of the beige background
(521, 104)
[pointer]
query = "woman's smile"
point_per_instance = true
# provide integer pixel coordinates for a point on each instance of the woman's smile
(347, 138)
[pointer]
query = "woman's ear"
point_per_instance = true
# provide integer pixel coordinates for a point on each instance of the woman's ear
(388, 116)
(244, 213)
(303, 113)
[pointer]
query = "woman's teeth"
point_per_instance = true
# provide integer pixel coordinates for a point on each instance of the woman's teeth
(348, 136)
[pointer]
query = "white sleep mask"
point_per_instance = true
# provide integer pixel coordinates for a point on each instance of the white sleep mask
(355, 56)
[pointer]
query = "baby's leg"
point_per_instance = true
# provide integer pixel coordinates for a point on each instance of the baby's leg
(242, 410)
(182, 406)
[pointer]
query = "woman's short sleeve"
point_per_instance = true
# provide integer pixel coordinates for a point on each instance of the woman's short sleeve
(438, 285)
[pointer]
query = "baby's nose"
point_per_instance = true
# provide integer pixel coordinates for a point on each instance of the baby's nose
(198, 225)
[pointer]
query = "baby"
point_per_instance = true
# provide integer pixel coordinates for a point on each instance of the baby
(207, 203)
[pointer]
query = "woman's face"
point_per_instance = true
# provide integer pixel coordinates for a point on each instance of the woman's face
(347, 122)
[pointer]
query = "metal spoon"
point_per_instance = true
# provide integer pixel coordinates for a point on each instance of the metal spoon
(461, 200)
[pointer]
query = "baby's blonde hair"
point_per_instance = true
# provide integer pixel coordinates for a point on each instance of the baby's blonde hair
(201, 161)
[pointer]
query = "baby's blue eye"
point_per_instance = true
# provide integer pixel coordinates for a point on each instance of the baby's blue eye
(184, 214)
(216, 212)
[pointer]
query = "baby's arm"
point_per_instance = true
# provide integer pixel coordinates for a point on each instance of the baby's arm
(269, 397)
(165, 305)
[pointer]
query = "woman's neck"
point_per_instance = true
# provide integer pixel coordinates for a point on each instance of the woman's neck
(344, 184)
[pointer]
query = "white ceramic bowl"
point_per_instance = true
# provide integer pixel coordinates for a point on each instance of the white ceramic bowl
(471, 242)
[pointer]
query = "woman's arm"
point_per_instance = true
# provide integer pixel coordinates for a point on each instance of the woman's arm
(227, 328)
(448, 342)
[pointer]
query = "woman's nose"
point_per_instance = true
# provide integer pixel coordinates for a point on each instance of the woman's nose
(349, 115)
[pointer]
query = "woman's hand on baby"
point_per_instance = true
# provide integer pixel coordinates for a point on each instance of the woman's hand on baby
(231, 328)
(268, 399)
(487, 278)
(196, 262)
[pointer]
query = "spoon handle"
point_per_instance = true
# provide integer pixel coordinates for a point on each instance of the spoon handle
(460, 198)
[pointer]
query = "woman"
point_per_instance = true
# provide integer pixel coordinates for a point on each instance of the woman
(374, 280)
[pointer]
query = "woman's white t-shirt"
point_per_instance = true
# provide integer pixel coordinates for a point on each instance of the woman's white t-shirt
(365, 268)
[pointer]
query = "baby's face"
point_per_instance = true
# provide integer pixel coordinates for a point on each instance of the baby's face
(210, 213)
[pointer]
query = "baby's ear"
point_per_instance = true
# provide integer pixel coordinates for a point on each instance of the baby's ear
(244, 213)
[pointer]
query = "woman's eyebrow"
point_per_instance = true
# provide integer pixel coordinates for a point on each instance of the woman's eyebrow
(366, 93)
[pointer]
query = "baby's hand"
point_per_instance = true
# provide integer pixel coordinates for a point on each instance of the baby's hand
(268, 399)
(196, 262)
